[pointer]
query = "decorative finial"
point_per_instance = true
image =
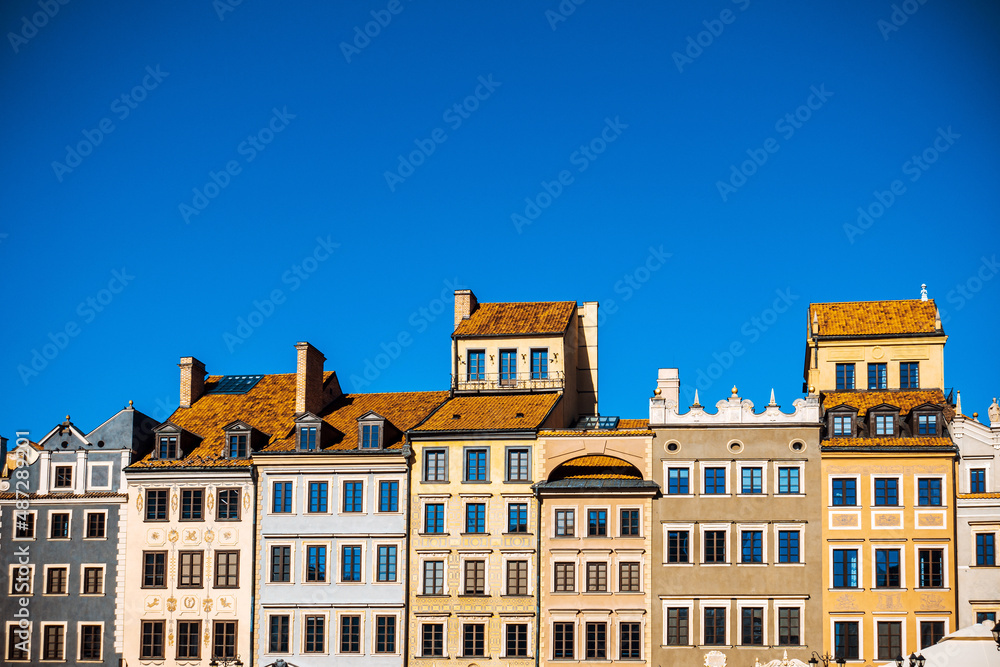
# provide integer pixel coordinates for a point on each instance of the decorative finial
(657, 391)
(958, 402)
(130, 404)
(923, 292)
(975, 415)
(772, 397)
(67, 419)
(696, 403)
(734, 390)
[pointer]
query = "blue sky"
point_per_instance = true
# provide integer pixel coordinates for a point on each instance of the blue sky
(171, 168)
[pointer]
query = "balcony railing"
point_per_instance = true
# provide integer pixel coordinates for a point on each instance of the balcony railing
(526, 381)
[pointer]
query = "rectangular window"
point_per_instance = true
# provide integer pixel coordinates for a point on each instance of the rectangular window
(307, 438)
(24, 528)
(715, 481)
(315, 634)
(370, 436)
(752, 480)
(715, 626)
(630, 523)
(93, 581)
(986, 549)
(96, 528)
(508, 368)
(878, 377)
(192, 504)
(353, 496)
(977, 481)
(597, 523)
(350, 563)
(884, 425)
(18, 647)
(475, 577)
(788, 626)
(517, 465)
(597, 577)
(929, 491)
(190, 570)
(909, 376)
(629, 641)
(628, 578)
(565, 523)
(473, 640)
(890, 640)
(316, 562)
(845, 640)
(788, 546)
(228, 507)
(435, 465)
(152, 640)
(517, 577)
(59, 526)
(188, 640)
(788, 480)
(278, 637)
(238, 446)
(282, 495)
(475, 518)
(475, 465)
(90, 642)
(931, 567)
(845, 568)
(476, 365)
(887, 491)
(677, 626)
(565, 577)
(842, 426)
(990, 616)
(752, 626)
(926, 424)
(715, 546)
(385, 634)
(434, 518)
(388, 496)
(887, 570)
(539, 364)
(562, 641)
(154, 569)
(433, 577)
(64, 477)
(516, 640)
(845, 491)
(517, 518)
(752, 546)
(597, 641)
(387, 562)
(677, 481)
(677, 546)
(55, 581)
(845, 377)
(167, 447)
(432, 640)
(281, 564)
(931, 632)
(350, 634)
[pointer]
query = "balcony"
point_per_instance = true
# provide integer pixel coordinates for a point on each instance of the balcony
(492, 382)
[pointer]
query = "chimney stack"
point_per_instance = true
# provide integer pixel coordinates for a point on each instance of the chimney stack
(309, 379)
(668, 381)
(465, 305)
(192, 380)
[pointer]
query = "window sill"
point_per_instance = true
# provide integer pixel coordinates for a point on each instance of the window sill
(474, 534)
(751, 495)
(433, 534)
(679, 564)
(518, 533)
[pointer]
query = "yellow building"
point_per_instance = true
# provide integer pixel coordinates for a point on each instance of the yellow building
(888, 477)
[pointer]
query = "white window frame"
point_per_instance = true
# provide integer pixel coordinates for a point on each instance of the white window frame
(476, 499)
(901, 548)
(944, 492)
(740, 465)
(423, 557)
(801, 528)
(400, 498)
(363, 630)
(728, 465)
(267, 567)
(705, 527)
(435, 620)
(14, 626)
(971, 464)
(626, 556)
(576, 523)
(55, 465)
(473, 619)
(400, 564)
(302, 631)
(615, 633)
(340, 561)
(79, 641)
(41, 643)
(692, 480)
(15, 513)
(306, 543)
(610, 528)
(12, 576)
(752, 602)
(104, 581)
(642, 521)
(433, 499)
(269, 495)
(945, 548)
(507, 555)
(888, 619)
(86, 520)
(986, 529)
(290, 613)
(687, 603)
(791, 604)
(704, 604)
(506, 620)
(45, 579)
(858, 546)
(762, 528)
(516, 500)
(857, 492)
(861, 633)
(777, 478)
(931, 618)
(899, 493)
(692, 554)
(48, 526)
(94, 487)
(465, 556)
(375, 613)
(609, 576)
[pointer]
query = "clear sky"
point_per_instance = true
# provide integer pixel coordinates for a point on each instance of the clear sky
(169, 168)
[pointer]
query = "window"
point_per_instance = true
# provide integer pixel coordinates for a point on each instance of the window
(188, 640)
(318, 494)
(677, 546)
(350, 563)
(475, 518)
(788, 546)
(387, 562)
(890, 640)
(909, 377)
(715, 626)
(929, 491)
(985, 549)
(516, 640)
(282, 495)
(154, 569)
(878, 377)
(562, 640)
(977, 481)
(517, 577)
(931, 632)
(926, 424)
(434, 518)
(886, 491)
(307, 438)
(316, 563)
(517, 465)
(156, 505)
(55, 581)
(845, 491)
(59, 526)
(278, 637)
(18, 644)
(597, 523)
(752, 546)
(475, 577)
(845, 377)
(228, 507)
(565, 523)
(628, 577)
(432, 640)
(371, 436)
(385, 634)
(388, 496)
(476, 365)
(475, 465)
(715, 481)
(167, 447)
(629, 641)
(435, 465)
(597, 640)
(788, 626)
(190, 570)
(96, 528)
(931, 567)
(677, 626)
(64, 477)
(845, 568)
(434, 577)
(473, 640)
(630, 523)
(22, 581)
(152, 640)
(24, 527)
(565, 578)
(842, 426)
(508, 368)
(990, 616)
(845, 640)
(192, 502)
(752, 480)
(238, 446)
(884, 425)
(350, 634)
(887, 570)
(677, 481)
(788, 480)
(597, 577)
(93, 581)
(281, 564)
(539, 364)
(90, 642)
(715, 546)
(752, 626)
(315, 634)
(517, 518)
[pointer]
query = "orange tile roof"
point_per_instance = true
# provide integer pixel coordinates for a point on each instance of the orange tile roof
(595, 467)
(905, 400)
(625, 427)
(491, 413)
(517, 319)
(874, 318)
(889, 443)
(981, 496)
(633, 423)
(64, 496)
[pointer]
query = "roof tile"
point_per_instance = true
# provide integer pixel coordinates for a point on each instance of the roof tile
(517, 319)
(904, 399)
(889, 443)
(491, 413)
(874, 318)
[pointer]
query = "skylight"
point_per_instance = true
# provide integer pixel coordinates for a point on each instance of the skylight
(235, 384)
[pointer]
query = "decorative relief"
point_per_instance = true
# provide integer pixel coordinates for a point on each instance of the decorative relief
(207, 637)
(190, 601)
(227, 603)
(171, 603)
(889, 520)
(890, 601)
(210, 501)
(152, 603)
(138, 501)
(930, 520)
(227, 536)
(173, 565)
(170, 638)
(155, 537)
(206, 604)
(173, 535)
(877, 352)
(715, 659)
(246, 499)
(173, 501)
(846, 602)
(931, 602)
(191, 536)
(209, 535)
(845, 520)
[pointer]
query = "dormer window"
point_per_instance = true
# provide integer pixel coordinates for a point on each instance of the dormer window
(238, 445)
(927, 424)
(308, 441)
(884, 425)
(842, 426)
(371, 436)
(166, 447)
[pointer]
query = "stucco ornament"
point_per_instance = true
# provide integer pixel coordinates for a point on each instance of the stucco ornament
(209, 535)
(994, 413)
(173, 535)
(206, 604)
(138, 502)
(715, 658)
(171, 603)
(210, 501)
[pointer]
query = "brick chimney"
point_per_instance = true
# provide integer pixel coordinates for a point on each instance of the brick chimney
(309, 379)
(465, 304)
(192, 380)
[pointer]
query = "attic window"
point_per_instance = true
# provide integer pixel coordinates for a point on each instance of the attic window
(842, 426)
(927, 424)
(884, 425)
(235, 384)
(166, 447)
(519, 414)
(456, 416)
(596, 422)
(371, 436)
(308, 438)
(237, 445)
